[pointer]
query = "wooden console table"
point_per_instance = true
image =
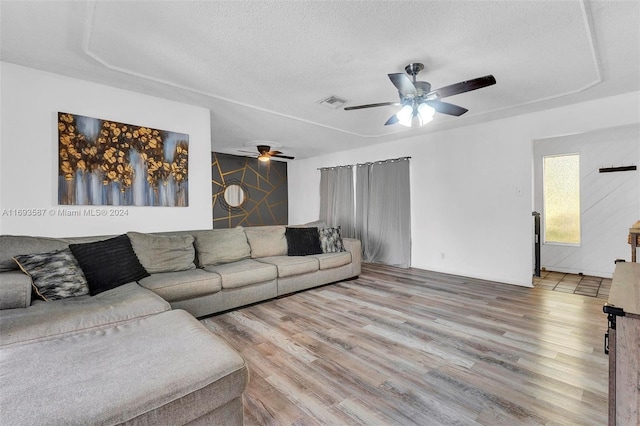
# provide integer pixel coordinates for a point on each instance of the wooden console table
(622, 343)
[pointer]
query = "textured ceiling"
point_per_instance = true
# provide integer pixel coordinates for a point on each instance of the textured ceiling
(261, 67)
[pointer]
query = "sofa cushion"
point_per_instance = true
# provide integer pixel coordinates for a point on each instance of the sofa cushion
(244, 272)
(219, 246)
(43, 320)
(333, 260)
(13, 245)
(15, 290)
(302, 241)
(292, 265)
(108, 263)
(267, 241)
(54, 275)
(114, 374)
(163, 253)
(330, 240)
(317, 224)
(173, 286)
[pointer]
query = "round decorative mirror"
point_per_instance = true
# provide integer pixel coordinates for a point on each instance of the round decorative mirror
(234, 195)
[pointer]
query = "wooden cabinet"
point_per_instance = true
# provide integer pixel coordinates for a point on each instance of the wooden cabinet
(623, 345)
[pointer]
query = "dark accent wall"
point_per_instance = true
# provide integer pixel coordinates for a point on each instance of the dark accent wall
(265, 184)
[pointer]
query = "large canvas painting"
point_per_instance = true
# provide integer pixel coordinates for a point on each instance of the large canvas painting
(102, 162)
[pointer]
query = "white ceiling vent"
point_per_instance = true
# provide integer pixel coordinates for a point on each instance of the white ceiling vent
(332, 102)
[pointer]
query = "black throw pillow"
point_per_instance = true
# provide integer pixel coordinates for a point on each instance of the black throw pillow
(108, 264)
(303, 241)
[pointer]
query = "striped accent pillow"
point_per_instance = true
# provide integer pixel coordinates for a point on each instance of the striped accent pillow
(109, 263)
(302, 241)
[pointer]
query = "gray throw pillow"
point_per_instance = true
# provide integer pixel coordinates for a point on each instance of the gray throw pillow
(163, 253)
(218, 246)
(54, 275)
(330, 240)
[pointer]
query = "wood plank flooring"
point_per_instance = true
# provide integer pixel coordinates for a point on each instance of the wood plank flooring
(412, 347)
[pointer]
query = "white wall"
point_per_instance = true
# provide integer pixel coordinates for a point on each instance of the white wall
(30, 102)
(471, 187)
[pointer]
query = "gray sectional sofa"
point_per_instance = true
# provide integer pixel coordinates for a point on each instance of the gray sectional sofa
(136, 354)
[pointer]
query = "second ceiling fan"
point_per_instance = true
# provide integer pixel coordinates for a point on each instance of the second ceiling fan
(265, 153)
(419, 102)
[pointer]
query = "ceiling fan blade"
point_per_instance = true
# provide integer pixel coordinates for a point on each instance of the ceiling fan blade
(392, 120)
(403, 84)
(283, 156)
(465, 86)
(447, 108)
(272, 153)
(370, 105)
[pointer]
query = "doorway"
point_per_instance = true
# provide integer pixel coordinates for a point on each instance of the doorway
(608, 203)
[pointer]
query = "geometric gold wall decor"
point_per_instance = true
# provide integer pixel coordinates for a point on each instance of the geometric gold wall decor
(247, 192)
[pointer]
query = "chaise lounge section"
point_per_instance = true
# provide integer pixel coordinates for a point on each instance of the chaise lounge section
(135, 354)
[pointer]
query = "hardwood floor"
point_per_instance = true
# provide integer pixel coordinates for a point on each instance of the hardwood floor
(412, 347)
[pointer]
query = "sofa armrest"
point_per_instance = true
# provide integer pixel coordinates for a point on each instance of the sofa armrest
(354, 247)
(15, 290)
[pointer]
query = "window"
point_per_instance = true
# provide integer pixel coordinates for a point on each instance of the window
(561, 188)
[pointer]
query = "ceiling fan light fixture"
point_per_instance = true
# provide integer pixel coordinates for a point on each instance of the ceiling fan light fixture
(405, 115)
(264, 158)
(425, 113)
(409, 116)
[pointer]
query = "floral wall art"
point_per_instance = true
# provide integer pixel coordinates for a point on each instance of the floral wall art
(103, 162)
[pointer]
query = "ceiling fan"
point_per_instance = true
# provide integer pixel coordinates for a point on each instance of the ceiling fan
(265, 153)
(419, 102)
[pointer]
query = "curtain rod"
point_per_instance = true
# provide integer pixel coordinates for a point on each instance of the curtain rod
(390, 160)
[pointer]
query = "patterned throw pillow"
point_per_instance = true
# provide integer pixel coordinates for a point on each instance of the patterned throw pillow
(109, 263)
(54, 275)
(330, 240)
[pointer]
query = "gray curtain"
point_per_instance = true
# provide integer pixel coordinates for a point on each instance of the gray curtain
(383, 212)
(362, 202)
(337, 199)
